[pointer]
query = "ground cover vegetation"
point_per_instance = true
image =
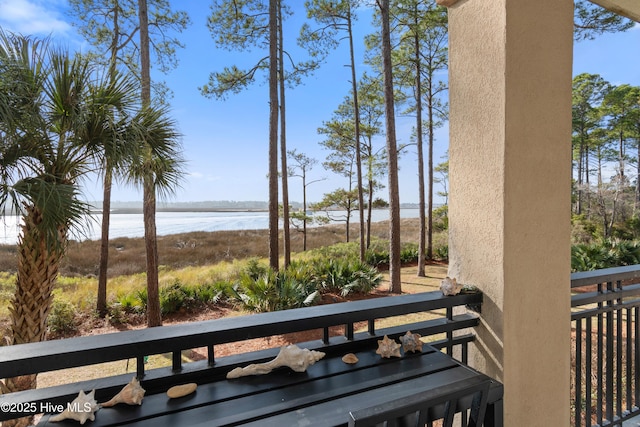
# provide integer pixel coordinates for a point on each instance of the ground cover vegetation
(197, 271)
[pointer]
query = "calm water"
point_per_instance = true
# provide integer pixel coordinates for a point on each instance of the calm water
(131, 225)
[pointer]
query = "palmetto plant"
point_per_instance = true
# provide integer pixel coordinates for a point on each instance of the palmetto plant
(56, 113)
(265, 290)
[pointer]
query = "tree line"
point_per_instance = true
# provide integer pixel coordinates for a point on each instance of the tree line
(606, 155)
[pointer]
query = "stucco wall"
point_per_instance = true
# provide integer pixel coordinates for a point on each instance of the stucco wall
(510, 175)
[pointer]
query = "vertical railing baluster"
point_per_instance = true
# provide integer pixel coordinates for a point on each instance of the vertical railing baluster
(450, 333)
(618, 338)
(578, 378)
(587, 371)
(372, 327)
(600, 364)
(176, 361)
(348, 331)
(636, 358)
(140, 367)
(325, 335)
(629, 358)
(609, 358)
(211, 359)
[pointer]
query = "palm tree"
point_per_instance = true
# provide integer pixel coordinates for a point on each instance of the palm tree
(56, 113)
(45, 101)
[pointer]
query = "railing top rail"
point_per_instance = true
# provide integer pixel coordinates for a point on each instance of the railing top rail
(585, 278)
(129, 344)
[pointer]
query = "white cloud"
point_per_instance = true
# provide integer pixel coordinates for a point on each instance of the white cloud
(204, 177)
(33, 17)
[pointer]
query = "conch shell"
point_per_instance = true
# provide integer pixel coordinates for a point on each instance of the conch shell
(291, 355)
(131, 394)
(81, 409)
(388, 348)
(411, 342)
(450, 287)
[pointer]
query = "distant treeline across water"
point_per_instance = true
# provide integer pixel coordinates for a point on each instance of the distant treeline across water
(131, 224)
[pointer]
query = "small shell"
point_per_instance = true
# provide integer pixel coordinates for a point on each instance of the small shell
(350, 359)
(450, 287)
(131, 394)
(181, 390)
(411, 342)
(82, 408)
(388, 348)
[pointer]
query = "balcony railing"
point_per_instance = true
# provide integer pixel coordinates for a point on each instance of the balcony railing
(605, 321)
(431, 316)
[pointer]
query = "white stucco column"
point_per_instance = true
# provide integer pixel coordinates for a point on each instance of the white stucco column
(509, 206)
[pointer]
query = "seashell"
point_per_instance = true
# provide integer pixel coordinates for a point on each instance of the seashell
(81, 409)
(411, 342)
(291, 355)
(450, 287)
(131, 394)
(388, 348)
(181, 390)
(350, 359)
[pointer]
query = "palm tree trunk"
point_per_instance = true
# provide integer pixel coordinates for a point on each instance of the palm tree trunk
(154, 316)
(38, 262)
(101, 303)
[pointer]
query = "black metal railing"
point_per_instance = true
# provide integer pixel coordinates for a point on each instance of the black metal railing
(605, 322)
(47, 356)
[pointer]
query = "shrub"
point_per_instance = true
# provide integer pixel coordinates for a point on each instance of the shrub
(273, 291)
(117, 314)
(441, 252)
(409, 253)
(345, 276)
(62, 318)
(364, 279)
(378, 253)
(175, 297)
(348, 250)
(213, 293)
(130, 302)
(604, 254)
(254, 269)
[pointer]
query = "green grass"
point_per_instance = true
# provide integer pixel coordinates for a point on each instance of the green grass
(81, 291)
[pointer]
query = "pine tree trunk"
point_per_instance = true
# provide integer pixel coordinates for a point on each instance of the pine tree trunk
(286, 232)
(356, 113)
(273, 135)
(419, 140)
(392, 154)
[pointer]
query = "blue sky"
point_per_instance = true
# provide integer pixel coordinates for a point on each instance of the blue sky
(225, 142)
